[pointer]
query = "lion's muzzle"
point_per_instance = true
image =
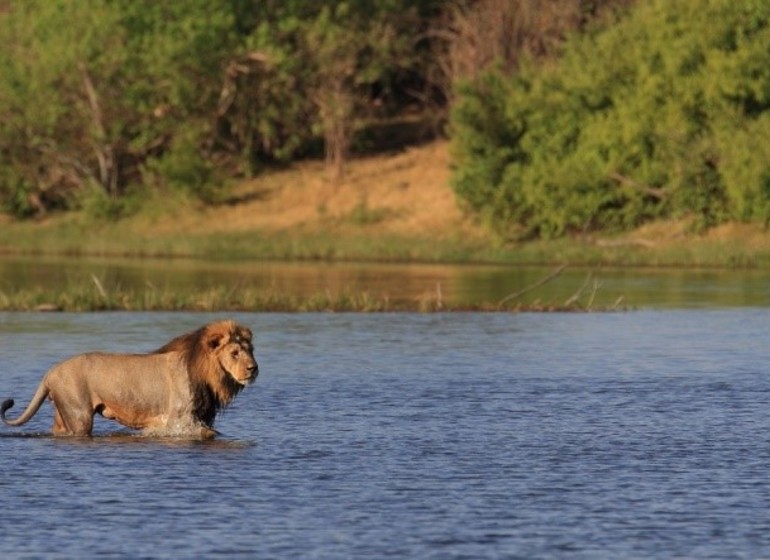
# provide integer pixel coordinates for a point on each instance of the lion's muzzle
(252, 373)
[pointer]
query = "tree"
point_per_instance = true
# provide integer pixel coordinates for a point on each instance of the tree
(91, 91)
(311, 71)
(469, 36)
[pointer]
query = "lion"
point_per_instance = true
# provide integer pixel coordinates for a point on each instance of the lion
(175, 390)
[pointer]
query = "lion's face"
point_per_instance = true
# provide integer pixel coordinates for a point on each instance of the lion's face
(236, 356)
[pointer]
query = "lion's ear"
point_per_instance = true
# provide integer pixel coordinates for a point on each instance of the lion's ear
(214, 340)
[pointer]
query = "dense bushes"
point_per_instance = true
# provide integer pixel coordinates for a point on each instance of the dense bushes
(100, 98)
(92, 91)
(664, 113)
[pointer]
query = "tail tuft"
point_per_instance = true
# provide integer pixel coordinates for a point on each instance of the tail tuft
(7, 403)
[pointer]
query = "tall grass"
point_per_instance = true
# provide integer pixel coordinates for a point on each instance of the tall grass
(74, 236)
(97, 297)
(71, 238)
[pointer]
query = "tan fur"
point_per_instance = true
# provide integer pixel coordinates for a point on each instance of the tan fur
(176, 390)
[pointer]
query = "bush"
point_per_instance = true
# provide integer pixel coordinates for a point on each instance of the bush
(89, 102)
(184, 168)
(112, 96)
(664, 113)
(101, 207)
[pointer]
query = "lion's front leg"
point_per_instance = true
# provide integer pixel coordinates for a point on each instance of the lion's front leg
(208, 432)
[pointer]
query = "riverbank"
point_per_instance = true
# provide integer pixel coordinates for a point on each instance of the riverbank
(389, 208)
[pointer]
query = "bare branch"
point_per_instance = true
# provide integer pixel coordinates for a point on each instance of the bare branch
(537, 284)
(655, 192)
(103, 150)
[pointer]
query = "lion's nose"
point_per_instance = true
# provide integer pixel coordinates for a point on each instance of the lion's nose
(254, 369)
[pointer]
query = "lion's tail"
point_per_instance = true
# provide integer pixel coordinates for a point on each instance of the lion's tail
(32, 407)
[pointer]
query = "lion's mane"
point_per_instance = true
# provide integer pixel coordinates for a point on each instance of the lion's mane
(212, 387)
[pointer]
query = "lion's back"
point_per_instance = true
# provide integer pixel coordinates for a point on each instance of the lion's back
(147, 380)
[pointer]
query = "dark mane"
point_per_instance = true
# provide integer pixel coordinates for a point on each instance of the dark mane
(212, 387)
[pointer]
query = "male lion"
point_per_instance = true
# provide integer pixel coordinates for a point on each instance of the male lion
(176, 390)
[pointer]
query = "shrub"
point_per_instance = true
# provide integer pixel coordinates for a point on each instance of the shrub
(660, 114)
(184, 168)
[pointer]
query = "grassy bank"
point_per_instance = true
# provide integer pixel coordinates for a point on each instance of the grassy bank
(396, 207)
(71, 238)
(744, 246)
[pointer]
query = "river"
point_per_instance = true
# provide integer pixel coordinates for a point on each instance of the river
(632, 434)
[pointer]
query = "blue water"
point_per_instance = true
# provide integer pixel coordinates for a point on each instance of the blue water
(642, 434)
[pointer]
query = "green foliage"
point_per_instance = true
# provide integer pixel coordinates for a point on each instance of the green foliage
(663, 113)
(89, 101)
(16, 194)
(101, 207)
(307, 71)
(122, 94)
(183, 168)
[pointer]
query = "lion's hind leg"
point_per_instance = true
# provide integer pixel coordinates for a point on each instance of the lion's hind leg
(59, 429)
(68, 424)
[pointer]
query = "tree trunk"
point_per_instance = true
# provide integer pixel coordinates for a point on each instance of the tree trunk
(104, 151)
(336, 108)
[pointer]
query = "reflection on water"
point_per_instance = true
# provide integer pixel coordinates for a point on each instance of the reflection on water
(132, 438)
(453, 284)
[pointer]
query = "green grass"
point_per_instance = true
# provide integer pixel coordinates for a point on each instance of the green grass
(75, 236)
(73, 239)
(97, 297)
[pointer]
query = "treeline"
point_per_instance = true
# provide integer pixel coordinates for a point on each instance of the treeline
(105, 101)
(100, 99)
(663, 113)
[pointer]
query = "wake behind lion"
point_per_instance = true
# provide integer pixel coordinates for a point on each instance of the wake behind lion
(175, 391)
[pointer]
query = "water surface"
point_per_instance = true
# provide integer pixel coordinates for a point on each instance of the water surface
(641, 434)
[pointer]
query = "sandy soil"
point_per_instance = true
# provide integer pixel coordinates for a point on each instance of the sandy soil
(405, 193)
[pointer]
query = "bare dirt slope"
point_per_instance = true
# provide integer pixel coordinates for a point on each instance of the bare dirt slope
(406, 193)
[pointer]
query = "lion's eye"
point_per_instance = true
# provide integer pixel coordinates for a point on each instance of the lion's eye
(234, 353)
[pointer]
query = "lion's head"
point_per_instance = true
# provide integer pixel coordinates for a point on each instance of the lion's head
(230, 345)
(220, 361)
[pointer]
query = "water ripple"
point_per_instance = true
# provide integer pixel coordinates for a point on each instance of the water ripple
(457, 436)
